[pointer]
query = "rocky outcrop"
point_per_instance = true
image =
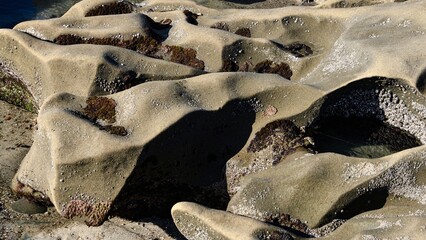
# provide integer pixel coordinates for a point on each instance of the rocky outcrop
(300, 122)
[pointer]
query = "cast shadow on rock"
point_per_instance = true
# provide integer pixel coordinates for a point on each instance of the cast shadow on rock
(370, 200)
(186, 162)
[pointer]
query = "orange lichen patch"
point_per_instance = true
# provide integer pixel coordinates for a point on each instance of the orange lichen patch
(96, 213)
(268, 66)
(102, 108)
(245, 32)
(146, 45)
(111, 9)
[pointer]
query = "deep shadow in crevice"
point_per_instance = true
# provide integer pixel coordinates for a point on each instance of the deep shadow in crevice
(368, 201)
(360, 137)
(352, 120)
(421, 82)
(186, 162)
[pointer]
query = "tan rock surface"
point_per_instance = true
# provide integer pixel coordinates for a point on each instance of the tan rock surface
(306, 116)
(198, 222)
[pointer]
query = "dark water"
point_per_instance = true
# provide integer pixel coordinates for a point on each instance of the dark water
(15, 11)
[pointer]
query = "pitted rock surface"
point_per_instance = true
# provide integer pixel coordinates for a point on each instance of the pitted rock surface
(301, 122)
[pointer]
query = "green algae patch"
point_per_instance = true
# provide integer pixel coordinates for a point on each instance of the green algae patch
(15, 92)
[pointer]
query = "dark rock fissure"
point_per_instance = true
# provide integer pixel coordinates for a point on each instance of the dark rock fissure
(370, 200)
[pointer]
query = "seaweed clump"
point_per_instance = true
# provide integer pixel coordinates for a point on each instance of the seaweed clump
(102, 108)
(96, 213)
(185, 56)
(122, 7)
(268, 66)
(245, 32)
(283, 136)
(146, 45)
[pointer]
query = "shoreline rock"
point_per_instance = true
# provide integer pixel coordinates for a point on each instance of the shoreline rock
(282, 123)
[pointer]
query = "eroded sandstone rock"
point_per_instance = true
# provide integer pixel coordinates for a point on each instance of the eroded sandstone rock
(344, 137)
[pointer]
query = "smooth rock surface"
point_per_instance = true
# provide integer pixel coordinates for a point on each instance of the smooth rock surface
(198, 222)
(307, 118)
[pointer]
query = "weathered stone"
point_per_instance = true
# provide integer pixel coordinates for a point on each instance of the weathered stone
(199, 222)
(341, 138)
(313, 190)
